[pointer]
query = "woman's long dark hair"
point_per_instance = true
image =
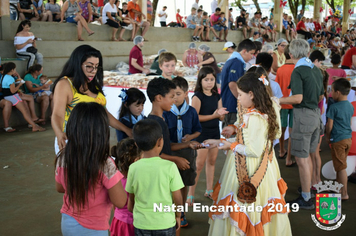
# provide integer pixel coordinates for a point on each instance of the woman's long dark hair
(8, 67)
(125, 153)
(73, 69)
(261, 99)
(22, 24)
(133, 95)
(86, 152)
(204, 71)
(34, 68)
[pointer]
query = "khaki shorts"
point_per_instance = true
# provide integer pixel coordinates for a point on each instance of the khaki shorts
(339, 152)
(305, 134)
(229, 119)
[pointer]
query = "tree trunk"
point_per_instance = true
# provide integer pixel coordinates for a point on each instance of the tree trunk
(331, 4)
(293, 5)
(154, 6)
(238, 4)
(257, 5)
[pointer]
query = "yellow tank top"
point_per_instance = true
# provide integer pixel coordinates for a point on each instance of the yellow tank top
(77, 98)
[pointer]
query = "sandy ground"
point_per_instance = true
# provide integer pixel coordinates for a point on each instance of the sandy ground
(29, 203)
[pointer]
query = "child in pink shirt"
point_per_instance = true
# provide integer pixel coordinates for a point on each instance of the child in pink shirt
(85, 160)
(126, 152)
(335, 72)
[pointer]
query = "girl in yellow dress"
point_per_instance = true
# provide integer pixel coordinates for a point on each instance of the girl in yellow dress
(249, 196)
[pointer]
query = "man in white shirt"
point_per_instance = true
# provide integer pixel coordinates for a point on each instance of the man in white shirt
(196, 5)
(163, 17)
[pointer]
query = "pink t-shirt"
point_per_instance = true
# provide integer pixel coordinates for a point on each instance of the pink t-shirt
(123, 214)
(334, 72)
(96, 213)
(214, 18)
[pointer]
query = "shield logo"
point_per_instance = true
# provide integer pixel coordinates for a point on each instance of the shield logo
(328, 208)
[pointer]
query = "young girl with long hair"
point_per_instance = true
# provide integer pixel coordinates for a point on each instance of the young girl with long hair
(86, 174)
(207, 102)
(125, 153)
(251, 176)
(10, 92)
(133, 101)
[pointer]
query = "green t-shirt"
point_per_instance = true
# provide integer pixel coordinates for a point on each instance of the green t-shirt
(309, 83)
(153, 180)
(155, 66)
(341, 113)
(29, 77)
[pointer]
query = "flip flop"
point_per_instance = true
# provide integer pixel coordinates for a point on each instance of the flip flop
(208, 194)
(291, 165)
(191, 200)
(39, 120)
(91, 33)
(9, 129)
(39, 129)
(80, 39)
(284, 156)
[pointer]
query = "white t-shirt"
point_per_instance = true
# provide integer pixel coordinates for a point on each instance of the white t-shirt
(163, 16)
(196, 6)
(214, 5)
(108, 8)
(21, 40)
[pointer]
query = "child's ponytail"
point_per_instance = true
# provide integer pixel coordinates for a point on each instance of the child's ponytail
(125, 152)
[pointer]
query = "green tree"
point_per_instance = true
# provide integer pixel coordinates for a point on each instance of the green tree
(294, 4)
(238, 3)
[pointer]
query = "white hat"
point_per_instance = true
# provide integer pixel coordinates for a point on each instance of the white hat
(228, 45)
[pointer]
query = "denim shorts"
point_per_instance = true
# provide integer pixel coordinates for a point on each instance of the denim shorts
(217, 27)
(71, 227)
(70, 19)
(191, 26)
(162, 232)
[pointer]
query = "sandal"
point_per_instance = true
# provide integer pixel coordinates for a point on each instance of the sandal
(209, 194)
(9, 129)
(191, 200)
(39, 121)
(39, 129)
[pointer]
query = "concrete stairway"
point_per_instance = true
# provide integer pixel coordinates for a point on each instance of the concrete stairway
(59, 40)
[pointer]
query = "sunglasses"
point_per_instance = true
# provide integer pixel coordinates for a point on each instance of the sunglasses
(90, 69)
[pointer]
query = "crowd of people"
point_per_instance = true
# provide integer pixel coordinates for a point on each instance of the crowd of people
(84, 12)
(265, 90)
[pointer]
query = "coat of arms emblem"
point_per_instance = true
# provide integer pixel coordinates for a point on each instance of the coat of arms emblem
(328, 206)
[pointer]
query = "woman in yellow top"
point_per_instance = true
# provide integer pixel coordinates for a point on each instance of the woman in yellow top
(81, 80)
(279, 59)
(250, 194)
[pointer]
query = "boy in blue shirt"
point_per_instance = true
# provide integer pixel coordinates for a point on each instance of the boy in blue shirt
(184, 126)
(233, 69)
(153, 183)
(338, 130)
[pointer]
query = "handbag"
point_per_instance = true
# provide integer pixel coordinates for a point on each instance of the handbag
(32, 50)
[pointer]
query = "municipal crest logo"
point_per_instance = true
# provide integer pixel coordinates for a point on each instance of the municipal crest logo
(328, 206)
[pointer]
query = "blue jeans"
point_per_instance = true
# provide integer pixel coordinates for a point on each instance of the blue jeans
(71, 227)
(162, 232)
(218, 78)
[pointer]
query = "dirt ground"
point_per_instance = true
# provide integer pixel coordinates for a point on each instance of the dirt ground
(29, 203)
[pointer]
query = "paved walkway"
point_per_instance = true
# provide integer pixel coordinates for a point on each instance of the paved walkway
(29, 203)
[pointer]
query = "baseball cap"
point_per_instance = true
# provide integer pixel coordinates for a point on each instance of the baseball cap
(229, 45)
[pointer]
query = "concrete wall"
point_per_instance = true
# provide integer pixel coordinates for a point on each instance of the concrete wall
(59, 40)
